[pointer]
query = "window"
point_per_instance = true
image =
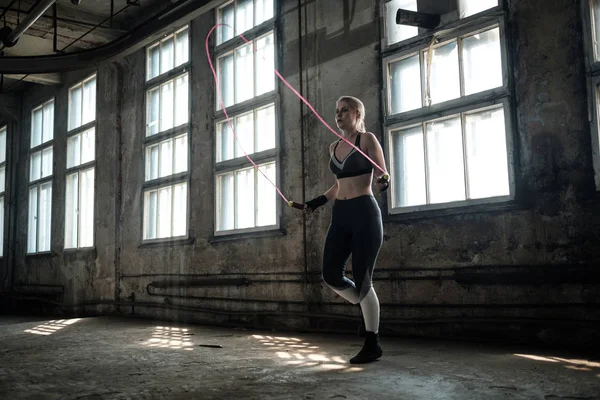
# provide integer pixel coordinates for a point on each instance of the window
(245, 199)
(241, 15)
(592, 37)
(2, 185)
(447, 119)
(166, 143)
(395, 33)
(81, 158)
(471, 7)
(40, 178)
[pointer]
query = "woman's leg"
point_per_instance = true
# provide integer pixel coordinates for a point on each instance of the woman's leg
(367, 240)
(338, 245)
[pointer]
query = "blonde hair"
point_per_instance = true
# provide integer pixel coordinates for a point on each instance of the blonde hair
(357, 105)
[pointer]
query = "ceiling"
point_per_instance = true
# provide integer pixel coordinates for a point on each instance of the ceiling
(67, 28)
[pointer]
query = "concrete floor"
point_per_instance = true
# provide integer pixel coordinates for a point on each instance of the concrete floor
(118, 358)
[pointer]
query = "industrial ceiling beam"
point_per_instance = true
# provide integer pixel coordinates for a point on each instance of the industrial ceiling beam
(182, 12)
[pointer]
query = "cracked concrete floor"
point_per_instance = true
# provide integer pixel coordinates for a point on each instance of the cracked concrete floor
(120, 358)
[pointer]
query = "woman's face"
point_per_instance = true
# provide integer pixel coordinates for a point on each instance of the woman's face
(345, 116)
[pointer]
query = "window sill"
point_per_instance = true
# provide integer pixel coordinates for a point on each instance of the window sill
(41, 254)
(247, 235)
(509, 205)
(166, 242)
(74, 250)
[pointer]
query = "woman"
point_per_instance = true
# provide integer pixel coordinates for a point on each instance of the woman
(356, 227)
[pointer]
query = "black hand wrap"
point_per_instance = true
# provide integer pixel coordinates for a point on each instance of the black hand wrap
(316, 202)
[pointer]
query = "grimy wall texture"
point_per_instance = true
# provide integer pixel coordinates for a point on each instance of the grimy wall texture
(526, 269)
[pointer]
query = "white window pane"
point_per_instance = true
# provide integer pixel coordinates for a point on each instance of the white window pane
(153, 62)
(226, 16)
(89, 101)
(166, 158)
(470, 7)
(180, 210)
(224, 142)
(166, 106)
(164, 212)
(181, 48)
(151, 162)
(445, 161)
(75, 99)
(405, 85)
(244, 74)
(150, 214)
(86, 209)
(244, 130)
(595, 4)
(487, 158)
(71, 210)
(265, 64)
(445, 82)
(265, 128)
(244, 16)
(153, 112)
(48, 129)
(35, 166)
(482, 61)
(2, 179)
(225, 77)
(266, 212)
(244, 210)
(73, 151)
(167, 55)
(2, 145)
(394, 32)
(225, 206)
(1, 226)
(36, 128)
(32, 219)
(181, 154)
(181, 100)
(45, 217)
(47, 162)
(88, 145)
(409, 167)
(263, 11)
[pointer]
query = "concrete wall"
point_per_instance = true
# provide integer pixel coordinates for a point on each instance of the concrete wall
(529, 267)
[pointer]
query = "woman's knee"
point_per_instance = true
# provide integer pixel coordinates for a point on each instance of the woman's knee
(333, 279)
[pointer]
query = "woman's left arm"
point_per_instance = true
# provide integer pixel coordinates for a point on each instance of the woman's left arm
(375, 152)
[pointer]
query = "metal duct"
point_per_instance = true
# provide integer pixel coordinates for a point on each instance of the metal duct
(144, 34)
(38, 10)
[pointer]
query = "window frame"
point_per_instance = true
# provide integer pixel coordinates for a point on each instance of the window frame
(78, 169)
(504, 94)
(3, 194)
(273, 97)
(592, 68)
(171, 133)
(42, 180)
(424, 34)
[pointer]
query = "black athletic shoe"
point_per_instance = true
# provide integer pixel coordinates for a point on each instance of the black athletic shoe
(371, 350)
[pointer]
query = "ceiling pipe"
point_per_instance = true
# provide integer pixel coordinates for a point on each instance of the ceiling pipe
(182, 12)
(36, 12)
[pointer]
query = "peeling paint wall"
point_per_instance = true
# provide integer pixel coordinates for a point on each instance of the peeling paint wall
(524, 268)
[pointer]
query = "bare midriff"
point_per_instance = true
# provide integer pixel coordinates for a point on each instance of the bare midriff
(355, 186)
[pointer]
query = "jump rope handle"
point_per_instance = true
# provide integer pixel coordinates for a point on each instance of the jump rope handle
(293, 204)
(384, 179)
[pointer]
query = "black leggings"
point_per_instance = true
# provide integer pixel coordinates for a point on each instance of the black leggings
(356, 228)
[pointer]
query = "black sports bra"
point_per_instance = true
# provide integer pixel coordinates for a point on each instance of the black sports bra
(353, 164)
